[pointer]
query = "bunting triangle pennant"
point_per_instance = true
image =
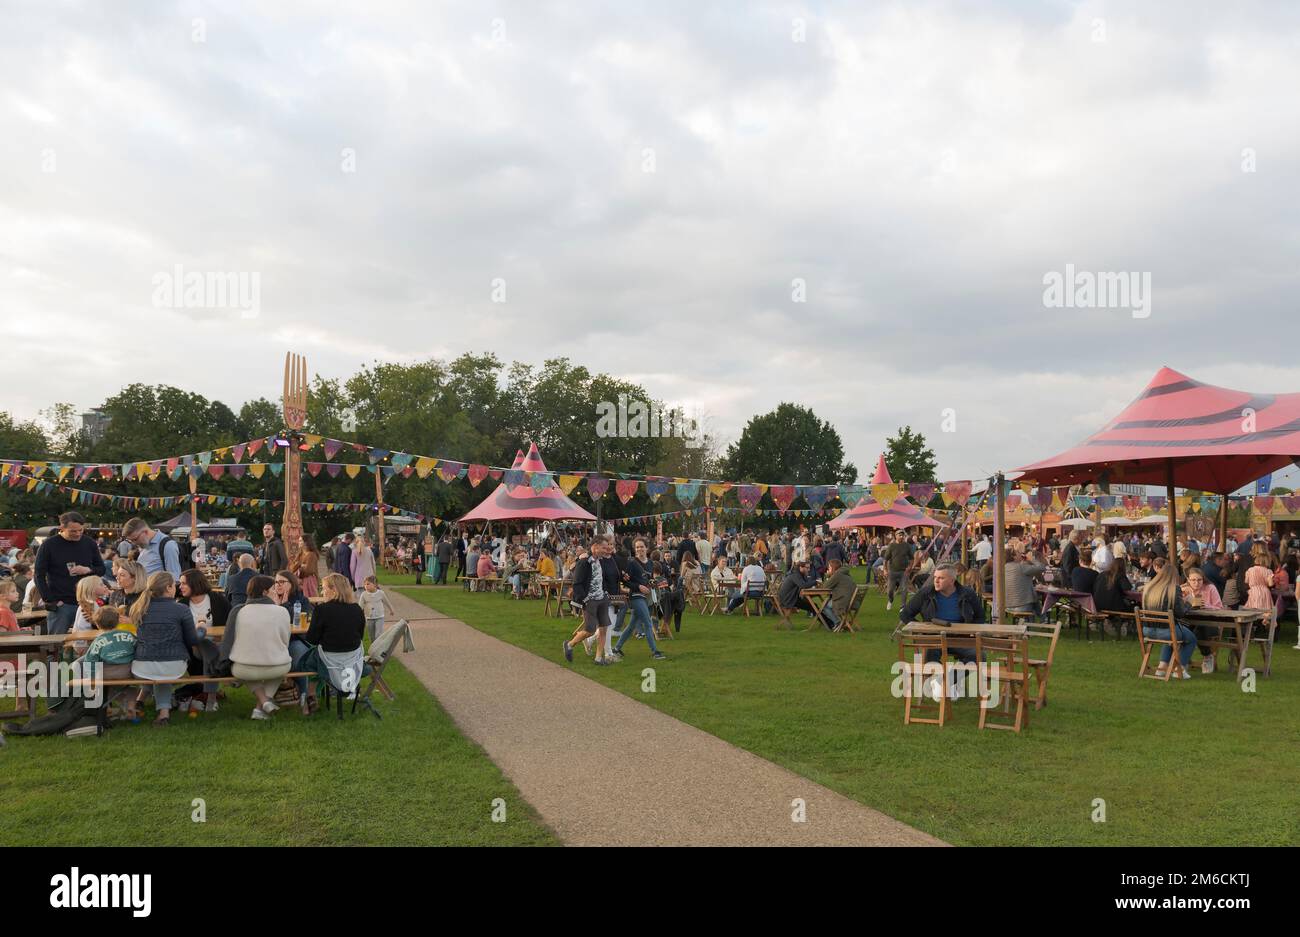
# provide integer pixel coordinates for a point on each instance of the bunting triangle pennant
(313, 468)
(540, 481)
(1291, 503)
(448, 471)
(205, 459)
(332, 469)
(401, 459)
(514, 478)
(687, 492)
(376, 455)
(254, 446)
(885, 493)
(352, 469)
(850, 495)
(496, 474)
(719, 491)
(749, 496)
(1264, 504)
(959, 491)
(920, 492)
(277, 468)
(477, 473)
(782, 495)
(625, 489)
(656, 488)
(597, 485)
(216, 471)
(568, 483)
(331, 447)
(817, 496)
(238, 451)
(257, 469)
(424, 465)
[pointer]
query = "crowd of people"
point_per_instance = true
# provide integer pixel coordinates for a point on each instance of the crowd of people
(148, 604)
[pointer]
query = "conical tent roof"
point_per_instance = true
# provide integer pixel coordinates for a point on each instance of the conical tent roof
(869, 512)
(549, 504)
(1214, 438)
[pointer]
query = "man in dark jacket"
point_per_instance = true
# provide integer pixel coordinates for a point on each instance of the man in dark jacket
(1069, 557)
(237, 582)
(61, 561)
(274, 556)
(835, 551)
(343, 557)
(596, 580)
(792, 586)
(444, 560)
(943, 599)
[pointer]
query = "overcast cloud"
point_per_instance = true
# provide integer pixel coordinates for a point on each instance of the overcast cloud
(920, 166)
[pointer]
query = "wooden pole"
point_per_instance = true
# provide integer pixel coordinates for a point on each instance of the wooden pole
(1173, 515)
(999, 550)
(1223, 523)
(379, 498)
(194, 509)
(295, 417)
(708, 512)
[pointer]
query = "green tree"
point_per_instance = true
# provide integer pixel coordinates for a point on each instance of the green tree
(790, 446)
(1281, 491)
(23, 440)
(908, 458)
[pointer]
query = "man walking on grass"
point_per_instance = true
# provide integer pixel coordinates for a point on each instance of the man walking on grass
(898, 556)
(595, 580)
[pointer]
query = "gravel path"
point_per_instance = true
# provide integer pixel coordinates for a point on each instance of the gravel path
(603, 769)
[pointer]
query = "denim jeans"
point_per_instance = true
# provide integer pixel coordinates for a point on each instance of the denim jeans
(640, 619)
(1186, 643)
(740, 598)
(298, 649)
(59, 620)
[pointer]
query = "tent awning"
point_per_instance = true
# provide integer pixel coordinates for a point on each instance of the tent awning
(1215, 439)
(870, 513)
(523, 503)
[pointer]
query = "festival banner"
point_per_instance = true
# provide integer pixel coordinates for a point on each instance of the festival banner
(885, 493)
(597, 486)
(625, 490)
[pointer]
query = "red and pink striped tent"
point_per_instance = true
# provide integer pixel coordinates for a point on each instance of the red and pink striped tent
(525, 504)
(869, 512)
(1184, 433)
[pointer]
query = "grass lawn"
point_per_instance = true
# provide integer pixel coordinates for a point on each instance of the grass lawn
(1196, 762)
(410, 779)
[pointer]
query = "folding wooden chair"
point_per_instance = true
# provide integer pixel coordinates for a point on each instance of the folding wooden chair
(1011, 655)
(1123, 621)
(752, 595)
(1262, 635)
(1151, 619)
(377, 658)
(784, 614)
(850, 620)
(1042, 667)
(911, 654)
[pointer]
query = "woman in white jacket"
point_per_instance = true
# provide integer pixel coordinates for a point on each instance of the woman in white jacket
(259, 652)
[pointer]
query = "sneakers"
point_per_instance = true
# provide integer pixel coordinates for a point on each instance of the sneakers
(658, 655)
(1187, 675)
(259, 713)
(1207, 665)
(568, 652)
(934, 688)
(889, 606)
(617, 655)
(589, 645)
(269, 707)
(601, 662)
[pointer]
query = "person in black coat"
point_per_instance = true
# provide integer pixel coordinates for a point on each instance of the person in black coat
(1083, 577)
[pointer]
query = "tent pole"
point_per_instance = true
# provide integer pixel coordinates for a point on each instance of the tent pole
(194, 509)
(1173, 516)
(1223, 523)
(999, 550)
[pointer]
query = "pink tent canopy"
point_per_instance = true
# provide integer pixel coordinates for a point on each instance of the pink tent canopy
(549, 504)
(869, 513)
(1214, 439)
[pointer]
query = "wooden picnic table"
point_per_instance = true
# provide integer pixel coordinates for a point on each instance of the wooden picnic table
(1241, 622)
(44, 645)
(553, 588)
(818, 597)
(1053, 594)
(964, 629)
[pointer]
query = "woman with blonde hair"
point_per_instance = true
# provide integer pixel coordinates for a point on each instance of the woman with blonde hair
(89, 592)
(306, 566)
(165, 636)
(131, 579)
(1162, 594)
(337, 625)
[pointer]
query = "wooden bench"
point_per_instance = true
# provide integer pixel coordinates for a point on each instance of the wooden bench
(187, 678)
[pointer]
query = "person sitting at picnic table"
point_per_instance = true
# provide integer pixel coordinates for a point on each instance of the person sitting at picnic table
(943, 599)
(722, 577)
(165, 635)
(131, 579)
(1108, 591)
(337, 626)
(920, 569)
(1020, 574)
(546, 564)
(753, 583)
(237, 582)
(842, 588)
(790, 593)
(1083, 577)
(256, 643)
(511, 573)
(1162, 594)
(286, 592)
(8, 593)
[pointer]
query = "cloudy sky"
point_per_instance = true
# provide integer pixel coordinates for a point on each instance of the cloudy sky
(649, 186)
